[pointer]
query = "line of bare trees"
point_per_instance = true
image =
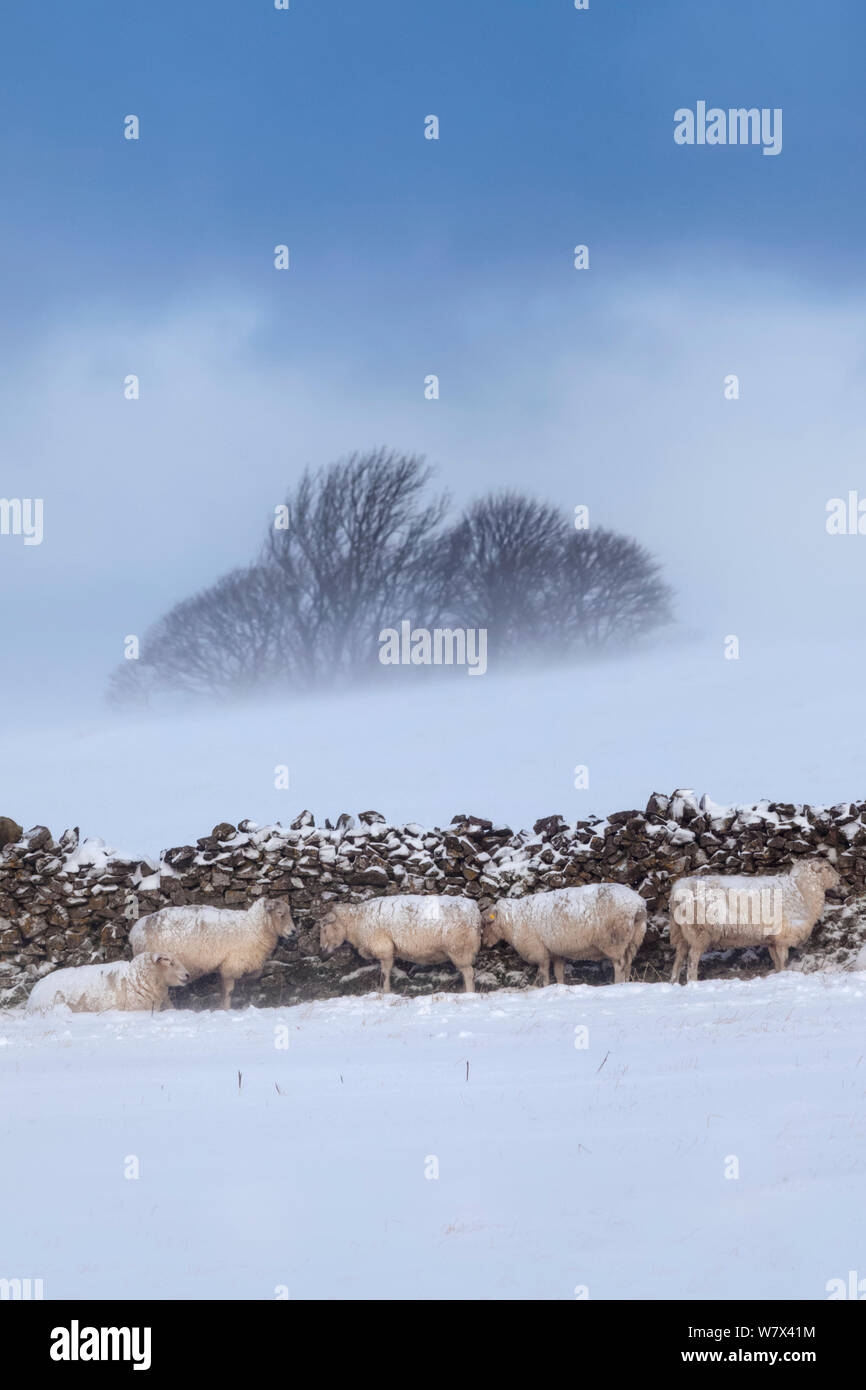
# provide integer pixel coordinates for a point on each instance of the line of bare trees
(361, 545)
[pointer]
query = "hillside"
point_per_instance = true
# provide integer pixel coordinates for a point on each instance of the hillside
(498, 746)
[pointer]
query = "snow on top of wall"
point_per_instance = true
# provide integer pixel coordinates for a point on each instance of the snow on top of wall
(514, 858)
(92, 853)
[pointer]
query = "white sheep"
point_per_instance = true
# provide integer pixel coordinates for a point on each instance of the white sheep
(718, 912)
(234, 941)
(142, 983)
(595, 921)
(425, 929)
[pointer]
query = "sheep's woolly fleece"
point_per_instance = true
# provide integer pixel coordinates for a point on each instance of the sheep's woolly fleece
(139, 984)
(235, 941)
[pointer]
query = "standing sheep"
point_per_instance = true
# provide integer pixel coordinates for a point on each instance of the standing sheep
(142, 983)
(717, 912)
(233, 941)
(597, 921)
(424, 929)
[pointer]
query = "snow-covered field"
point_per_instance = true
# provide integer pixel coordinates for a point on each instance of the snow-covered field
(559, 1166)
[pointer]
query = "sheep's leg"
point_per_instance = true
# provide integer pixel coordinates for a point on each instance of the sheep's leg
(780, 956)
(466, 970)
(628, 960)
(387, 964)
(228, 986)
(619, 971)
(694, 962)
(544, 972)
(679, 962)
(559, 970)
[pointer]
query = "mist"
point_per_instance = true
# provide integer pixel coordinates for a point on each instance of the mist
(147, 501)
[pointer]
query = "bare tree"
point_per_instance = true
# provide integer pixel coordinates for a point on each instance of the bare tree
(515, 566)
(358, 547)
(221, 641)
(497, 567)
(609, 591)
(351, 559)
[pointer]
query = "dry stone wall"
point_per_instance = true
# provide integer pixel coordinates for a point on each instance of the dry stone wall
(69, 902)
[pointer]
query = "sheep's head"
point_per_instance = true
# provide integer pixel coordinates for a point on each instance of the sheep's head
(280, 917)
(173, 973)
(824, 873)
(332, 932)
(491, 930)
(817, 872)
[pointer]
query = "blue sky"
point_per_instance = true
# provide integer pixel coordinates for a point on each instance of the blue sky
(412, 256)
(306, 126)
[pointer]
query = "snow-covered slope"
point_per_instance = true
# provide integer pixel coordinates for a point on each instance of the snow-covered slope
(559, 1166)
(776, 723)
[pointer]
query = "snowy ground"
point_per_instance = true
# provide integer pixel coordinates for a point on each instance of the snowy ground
(559, 1166)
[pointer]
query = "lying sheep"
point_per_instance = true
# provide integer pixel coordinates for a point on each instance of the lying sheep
(142, 983)
(426, 930)
(717, 912)
(598, 921)
(233, 941)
